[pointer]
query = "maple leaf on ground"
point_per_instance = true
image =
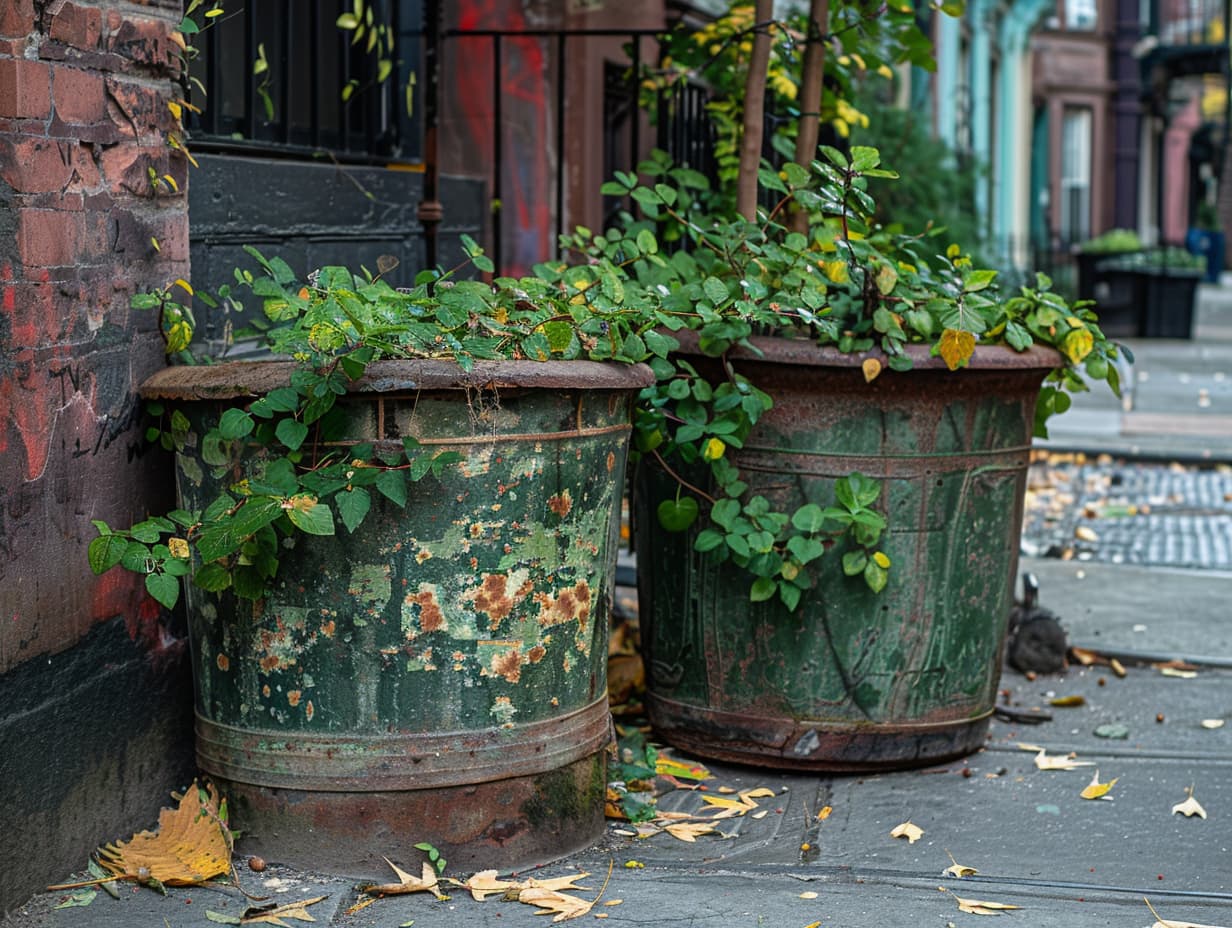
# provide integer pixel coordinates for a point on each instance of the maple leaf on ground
(908, 830)
(427, 883)
(274, 915)
(1098, 790)
(550, 901)
(741, 805)
(192, 844)
(689, 831)
(485, 884)
(958, 870)
(1161, 922)
(1190, 807)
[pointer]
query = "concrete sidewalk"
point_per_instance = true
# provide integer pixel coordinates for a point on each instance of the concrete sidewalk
(1035, 842)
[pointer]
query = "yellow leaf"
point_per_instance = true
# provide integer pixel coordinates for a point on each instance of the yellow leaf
(1046, 761)
(881, 559)
(1077, 344)
(178, 547)
(274, 915)
(1068, 702)
(886, 278)
(982, 907)
(1178, 673)
(170, 181)
(956, 348)
(549, 902)
(824, 813)
(184, 285)
(1212, 723)
(713, 449)
(192, 844)
(836, 271)
(760, 792)
(426, 883)
(907, 830)
(953, 251)
(1190, 807)
(176, 109)
(958, 870)
(808, 895)
(670, 766)
(872, 367)
(689, 831)
(1098, 790)
(1169, 923)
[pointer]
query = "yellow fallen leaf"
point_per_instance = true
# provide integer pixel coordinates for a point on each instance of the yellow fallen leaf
(1068, 702)
(1190, 807)
(808, 895)
(192, 844)
(760, 793)
(426, 883)
(1046, 761)
(1098, 790)
(958, 870)
(1117, 667)
(274, 915)
(484, 884)
(1178, 673)
(760, 815)
(982, 907)
(1083, 533)
(824, 813)
(689, 831)
(907, 830)
(1212, 723)
(549, 901)
(956, 348)
(612, 902)
(871, 367)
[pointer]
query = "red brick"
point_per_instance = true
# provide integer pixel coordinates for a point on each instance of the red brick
(47, 237)
(138, 110)
(16, 17)
(78, 26)
(125, 167)
(34, 165)
(143, 40)
(33, 319)
(80, 96)
(25, 88)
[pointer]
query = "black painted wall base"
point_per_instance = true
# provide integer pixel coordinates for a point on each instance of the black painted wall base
(92, 741)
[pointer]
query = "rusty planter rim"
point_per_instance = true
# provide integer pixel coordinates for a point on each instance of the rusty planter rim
(348, 763)
(241, 379)
(808, 353)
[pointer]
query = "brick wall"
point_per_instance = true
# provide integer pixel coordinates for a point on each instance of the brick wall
(83, 119)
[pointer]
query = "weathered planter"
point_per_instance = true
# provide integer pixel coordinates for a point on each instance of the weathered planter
(439, 675)
(853, 680)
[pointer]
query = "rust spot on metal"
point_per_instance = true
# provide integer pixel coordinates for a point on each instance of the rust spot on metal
(611, 461)
(223, 662)
(572, 603)
(493, 597)
(270, 663)
(535, 654)
(328, 628)
(309, 711)
(431, 619)
(561, 503)
(265, 691)
(508, 665)
(294, 696)
(423, 554)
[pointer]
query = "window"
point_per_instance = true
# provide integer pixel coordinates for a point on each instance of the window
(1075, 183)
(275, 72)
(1081, 14)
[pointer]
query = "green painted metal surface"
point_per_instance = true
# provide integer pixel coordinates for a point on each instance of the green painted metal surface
(457, 642)
(853, 679)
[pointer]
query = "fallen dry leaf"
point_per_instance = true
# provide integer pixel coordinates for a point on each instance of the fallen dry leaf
(549, 901)
(426, 883)
(958, 870)
(1212, 723)
(684, 770)
(1046, 761)
(485, 883)
(1190, 807)
(1118, 668)
(908, 830)
(192, 845)
(824, 813)
(1069, 702)
(274, 915)
(982, 907)
(808, 895)
(1086, 657)
(1083, 533)
(1178, 673)
(1098, 790)
(741, 805)
(689, 831)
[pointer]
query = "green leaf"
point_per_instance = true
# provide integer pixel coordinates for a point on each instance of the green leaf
(235, 423)
(227, 534)
(164, 588)
(763, 588)
(213, 578)
(291, 433)
(676, 515)
(716, 290)
(353, 507)
(790, 595)
(392, 484)
(708, 540)
(105, 552)
(875, 576)
(808, 518)
(317, 519)
(978, 280)
(805, 549)
(221, 919)
(854, 563)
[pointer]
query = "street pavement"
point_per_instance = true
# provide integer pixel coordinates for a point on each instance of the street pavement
(1127, 534)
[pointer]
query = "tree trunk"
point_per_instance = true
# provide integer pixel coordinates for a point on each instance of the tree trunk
(810, 95)
(754, 112)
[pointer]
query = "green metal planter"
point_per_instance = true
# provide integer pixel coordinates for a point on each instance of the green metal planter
(852, 680)
(440, 675)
